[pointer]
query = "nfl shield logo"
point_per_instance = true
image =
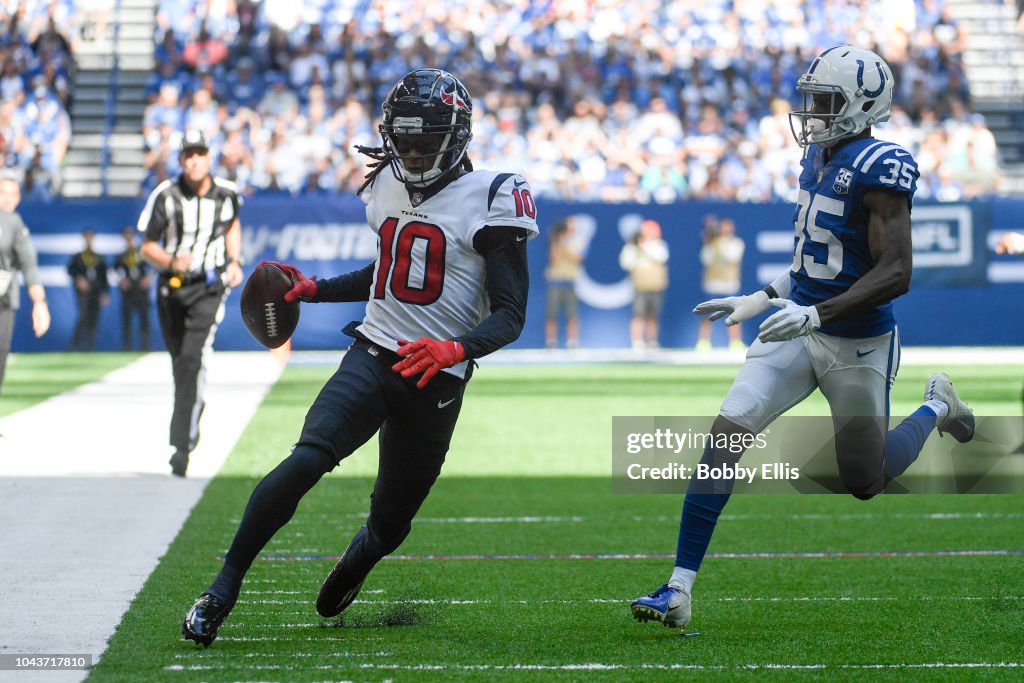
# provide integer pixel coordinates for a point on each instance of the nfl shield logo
(417, 198)
(843, 179)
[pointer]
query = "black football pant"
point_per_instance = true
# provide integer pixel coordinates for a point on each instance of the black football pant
(84, 336)
(363, 396)
(6, 332)
(135, 303)
(188, 319)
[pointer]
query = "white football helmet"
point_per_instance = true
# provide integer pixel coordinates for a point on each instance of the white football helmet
(846, 89)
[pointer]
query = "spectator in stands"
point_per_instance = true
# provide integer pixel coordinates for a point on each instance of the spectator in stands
(167, 74)
(88, 271)
(279, 100)
(166, 111)
(205, 52)
(244, 87)
(573, 64)
(12, 85)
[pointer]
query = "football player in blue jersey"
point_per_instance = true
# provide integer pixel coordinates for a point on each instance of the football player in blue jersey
(834, 328)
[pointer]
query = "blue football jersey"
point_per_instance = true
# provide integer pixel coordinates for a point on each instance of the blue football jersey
(831, 222)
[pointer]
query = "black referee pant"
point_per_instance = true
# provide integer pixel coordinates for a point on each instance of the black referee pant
(362, 396)
(188, 319)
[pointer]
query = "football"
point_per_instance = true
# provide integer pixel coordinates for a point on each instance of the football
(269, 318)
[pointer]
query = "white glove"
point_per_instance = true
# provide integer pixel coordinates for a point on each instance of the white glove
(792, 321)
(738, 308)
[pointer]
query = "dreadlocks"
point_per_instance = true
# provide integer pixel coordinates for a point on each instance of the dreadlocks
(382, 158)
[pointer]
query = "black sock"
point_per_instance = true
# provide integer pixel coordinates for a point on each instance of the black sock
(271, 505)
(227, 584)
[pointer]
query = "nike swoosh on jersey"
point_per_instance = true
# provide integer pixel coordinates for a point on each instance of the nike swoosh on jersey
(445, 404)
(861, 354)
(901, 154)
(518, 183)
(520, 238)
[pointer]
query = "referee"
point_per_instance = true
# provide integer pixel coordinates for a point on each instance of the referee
(193, 237)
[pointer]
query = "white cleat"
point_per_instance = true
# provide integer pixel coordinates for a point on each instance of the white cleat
(959, 420)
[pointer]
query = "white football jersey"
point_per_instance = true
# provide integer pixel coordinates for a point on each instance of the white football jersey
(428, 280)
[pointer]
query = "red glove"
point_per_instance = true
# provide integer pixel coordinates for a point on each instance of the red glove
(428, 356)
(303, 287)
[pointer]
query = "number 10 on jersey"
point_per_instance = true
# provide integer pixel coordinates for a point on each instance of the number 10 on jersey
(410, 264)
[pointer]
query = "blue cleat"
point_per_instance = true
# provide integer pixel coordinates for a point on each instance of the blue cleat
(669, 604)
(959, 421)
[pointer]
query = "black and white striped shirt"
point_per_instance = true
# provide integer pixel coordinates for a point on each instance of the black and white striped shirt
(186, 223)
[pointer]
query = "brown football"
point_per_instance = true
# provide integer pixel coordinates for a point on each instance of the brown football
(269, 318)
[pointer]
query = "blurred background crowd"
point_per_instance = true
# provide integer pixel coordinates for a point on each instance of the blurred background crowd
(36, 73)
(647, 100)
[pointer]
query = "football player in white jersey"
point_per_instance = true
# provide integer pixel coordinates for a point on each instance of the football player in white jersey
(834, 329)
(449, 285)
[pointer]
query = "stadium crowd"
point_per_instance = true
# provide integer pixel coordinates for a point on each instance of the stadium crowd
(36, 72)
(647, 100)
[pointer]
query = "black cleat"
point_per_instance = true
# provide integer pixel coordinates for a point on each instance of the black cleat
(179, 463)
(203, 620)
(339, 589)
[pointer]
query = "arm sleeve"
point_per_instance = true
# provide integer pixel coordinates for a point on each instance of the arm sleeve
(354, 286)
(507, 283)
(782, 285)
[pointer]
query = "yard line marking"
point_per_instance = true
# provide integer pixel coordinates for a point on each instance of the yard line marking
(280, 592)
(665, 556)
(189, 655)
(600, 666)
(316, 519)
(277, 638)
(552, 519)
(625, 599)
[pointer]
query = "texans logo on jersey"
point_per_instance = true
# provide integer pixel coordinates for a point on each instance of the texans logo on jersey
(844, 178)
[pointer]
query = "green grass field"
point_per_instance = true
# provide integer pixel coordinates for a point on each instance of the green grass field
(528, 475)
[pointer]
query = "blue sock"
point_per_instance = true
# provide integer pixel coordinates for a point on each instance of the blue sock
(703, 504)
(904, 443)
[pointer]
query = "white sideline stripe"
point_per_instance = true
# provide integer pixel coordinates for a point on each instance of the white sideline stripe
(88, 500)
(599, 666)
